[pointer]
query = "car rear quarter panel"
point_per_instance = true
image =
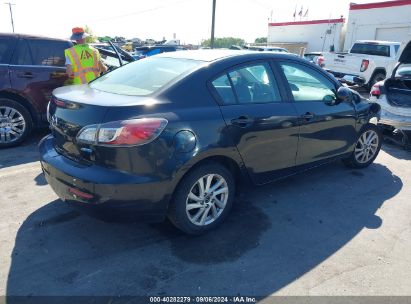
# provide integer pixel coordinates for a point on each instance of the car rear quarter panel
(366, 111)
(188, 106)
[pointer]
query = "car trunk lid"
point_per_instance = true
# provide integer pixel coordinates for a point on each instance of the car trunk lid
(74, 107)
(399, 92)
(398, 87)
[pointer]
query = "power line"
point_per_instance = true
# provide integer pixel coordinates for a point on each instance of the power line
(140, 12)
(11, 14)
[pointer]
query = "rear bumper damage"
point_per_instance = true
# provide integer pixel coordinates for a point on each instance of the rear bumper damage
(396, 121)
(101, 192)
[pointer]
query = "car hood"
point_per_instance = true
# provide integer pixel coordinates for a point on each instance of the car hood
(405, 57)
(86, 95)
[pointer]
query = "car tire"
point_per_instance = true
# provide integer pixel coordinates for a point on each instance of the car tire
(13, 117)
(196, 211)
(366, 148)
(376, 78)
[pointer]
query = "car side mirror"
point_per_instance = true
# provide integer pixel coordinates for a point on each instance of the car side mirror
(330, 100)
(345, 95)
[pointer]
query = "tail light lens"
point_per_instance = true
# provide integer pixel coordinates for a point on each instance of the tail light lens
(58, 102)
(376, 90)
(364, 65)
(132, 132)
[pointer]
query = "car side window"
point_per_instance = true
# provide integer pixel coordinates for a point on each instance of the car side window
(224, 90)
(48, 52)
(248, 84)
(307, 84)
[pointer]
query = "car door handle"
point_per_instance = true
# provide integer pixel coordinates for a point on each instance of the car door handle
(58, 74)
(25, 75)
(308, 116)
(242, 121)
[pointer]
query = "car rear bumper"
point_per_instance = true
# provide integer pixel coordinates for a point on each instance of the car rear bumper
(105, 193)
(397, 121)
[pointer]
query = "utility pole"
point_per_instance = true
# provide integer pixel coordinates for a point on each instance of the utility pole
(11, 14)
(213, 25)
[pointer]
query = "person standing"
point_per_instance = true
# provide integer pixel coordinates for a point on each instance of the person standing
(83, 62)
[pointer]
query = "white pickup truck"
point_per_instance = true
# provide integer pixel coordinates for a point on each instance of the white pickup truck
(367, 63)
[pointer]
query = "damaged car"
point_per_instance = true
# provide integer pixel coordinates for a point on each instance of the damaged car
(174, 134)
(394, 96)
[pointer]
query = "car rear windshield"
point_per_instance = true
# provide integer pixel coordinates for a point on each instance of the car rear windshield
(144, 76)
(371, 49)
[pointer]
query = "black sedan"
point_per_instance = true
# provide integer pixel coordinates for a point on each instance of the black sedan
(172, 135)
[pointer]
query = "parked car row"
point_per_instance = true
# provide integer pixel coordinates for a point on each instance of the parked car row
(146, 51)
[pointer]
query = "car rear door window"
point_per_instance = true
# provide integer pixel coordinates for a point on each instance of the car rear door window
(40, 52)
(22, 56)
(307, 84)
(224, 90)
(6, 49)
(48, 52)
(247, 84)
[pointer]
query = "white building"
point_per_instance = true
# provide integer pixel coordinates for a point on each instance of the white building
(315, 35)
(389, 21)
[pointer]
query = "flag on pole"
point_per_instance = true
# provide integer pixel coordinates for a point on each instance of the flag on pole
(306, 13)
(295, 12)
(301, 12)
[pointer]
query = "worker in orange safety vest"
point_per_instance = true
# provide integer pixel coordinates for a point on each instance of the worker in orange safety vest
(83, 62)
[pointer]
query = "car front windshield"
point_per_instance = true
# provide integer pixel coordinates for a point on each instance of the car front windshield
(144, 76)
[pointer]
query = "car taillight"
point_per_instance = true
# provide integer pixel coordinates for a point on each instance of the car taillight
(58, 102)
(364, 65)
(131, 132)
(376, 90)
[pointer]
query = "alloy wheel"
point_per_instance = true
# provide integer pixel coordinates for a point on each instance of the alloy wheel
(207, 199)
(366, 147)
(12, 124)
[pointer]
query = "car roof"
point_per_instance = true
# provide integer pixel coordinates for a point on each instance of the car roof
(378, 42)
(215, 54)
(30, 36)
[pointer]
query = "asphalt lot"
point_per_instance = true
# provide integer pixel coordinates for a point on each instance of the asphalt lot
(330, 231)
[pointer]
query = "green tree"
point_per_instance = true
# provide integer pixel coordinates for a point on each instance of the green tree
(261, 40)
(105, 39)
(224, 42)
(91, 38)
